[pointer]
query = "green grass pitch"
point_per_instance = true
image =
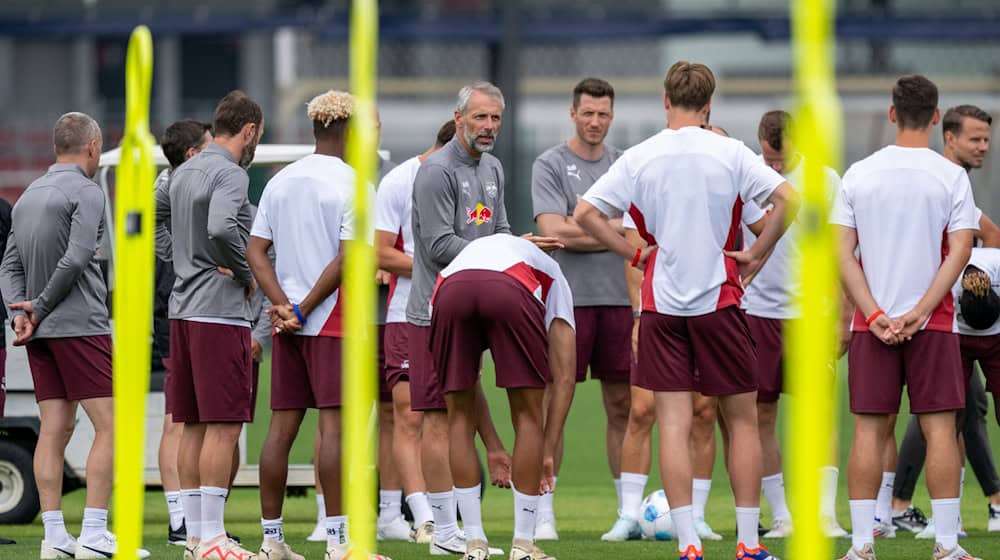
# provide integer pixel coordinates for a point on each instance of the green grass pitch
(585, 502)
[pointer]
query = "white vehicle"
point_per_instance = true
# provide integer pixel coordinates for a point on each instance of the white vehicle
(19, 428)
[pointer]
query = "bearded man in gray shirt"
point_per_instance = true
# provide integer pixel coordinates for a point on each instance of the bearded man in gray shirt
(53, 284)
(603, 312)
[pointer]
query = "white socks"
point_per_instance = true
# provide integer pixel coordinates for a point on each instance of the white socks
(420, 509)
(947, 517)
(633, 485)
(213, 507)
(320, 510)
(174, 508)
(618, 490)
(272, 529)
(191, 504)
(683, 518)
(55, 529)
(862, 523)
(546, 507)
(472, 515)
(390, 505)
(883, 504)
(525, 510)
(700, 488)
(746, 526)
(95, 524)
(336, 530)
(774, 492)
(828, 492)
(445, 516)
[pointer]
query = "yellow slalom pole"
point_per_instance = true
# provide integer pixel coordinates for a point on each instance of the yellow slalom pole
(359, 286)
(133, 295)
(813, 338)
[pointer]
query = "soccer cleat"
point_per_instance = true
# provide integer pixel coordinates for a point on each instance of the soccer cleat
(545, 530)
(105, 547)
(191, 550)
(318, 534)
(455, 545)
(178, 536)
(910, 519)
(780, 529)
(759, 553)
(692, 553)
(422, 534)
(51, 552)
(993, 525)
(831, 527)
(883, 530)
(224, 548)
(705, 531)
(274, 550)
(624, 529)
(477, 549)
(527, 550)
(343, 552)
(957, 553)
(866, 553)
(396, 530)
(928, 531)
(761, 530)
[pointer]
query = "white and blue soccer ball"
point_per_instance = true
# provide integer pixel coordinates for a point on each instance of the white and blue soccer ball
(654, 518)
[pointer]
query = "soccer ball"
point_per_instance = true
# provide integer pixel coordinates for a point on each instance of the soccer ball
(654, 517)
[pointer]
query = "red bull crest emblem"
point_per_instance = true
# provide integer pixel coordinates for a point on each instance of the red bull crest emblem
(479, 215)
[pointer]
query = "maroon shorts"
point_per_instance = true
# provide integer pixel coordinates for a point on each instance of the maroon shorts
(426, 392)
(305, 372)
(986, 351)
(254, 390)
(396, 340)
(712, 354)
(930, 365)
(166, 385)
(766, 335)
(74, 368)
(603, 342)
(211, 372)
(476, 310)
(384, 391)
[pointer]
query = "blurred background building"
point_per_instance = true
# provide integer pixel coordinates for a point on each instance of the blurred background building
(62, 55)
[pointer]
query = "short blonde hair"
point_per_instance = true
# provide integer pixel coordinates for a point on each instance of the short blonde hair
(689, 85)
(330, 106)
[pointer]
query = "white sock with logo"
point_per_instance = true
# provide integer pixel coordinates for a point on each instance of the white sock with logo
(774, 492)
(445, 515)
(273, 529)
(420, 508)
(525, 513)
(213, 508)
(472, 513)
(546, 506)
(883, 503)
(191, 503)
(55, 529)
(633, 485)
(174, 508)
(390, 504)
(700, 489)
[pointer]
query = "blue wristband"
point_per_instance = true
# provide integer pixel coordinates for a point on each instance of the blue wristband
(298, 314)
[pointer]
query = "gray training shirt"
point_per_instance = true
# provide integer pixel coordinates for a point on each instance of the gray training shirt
(57, 227)
(558, 179)
(210, 218)
(456, 198)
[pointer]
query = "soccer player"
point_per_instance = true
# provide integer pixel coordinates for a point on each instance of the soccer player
(503, 293)
(181, 141)
(211, 389)
(769, 303)
(910, 214)
(603, 316)
(394, 242)
(966, 131)
(637, 444)
(689, 184)
(458, 196)
(53, 285)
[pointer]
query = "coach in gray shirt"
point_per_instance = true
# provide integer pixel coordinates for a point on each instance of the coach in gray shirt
(51, 280)
(603, 312)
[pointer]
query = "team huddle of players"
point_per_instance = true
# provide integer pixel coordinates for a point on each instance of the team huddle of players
(688, 334)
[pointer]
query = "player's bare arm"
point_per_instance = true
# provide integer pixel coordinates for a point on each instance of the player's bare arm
(570, 234)
(328, 282)
(633, 282)
(785, 203)
(596, 224)
(857, 289)
(562, 364)
(989, 232)
(959, 251)
(390, 258)
(757, 228)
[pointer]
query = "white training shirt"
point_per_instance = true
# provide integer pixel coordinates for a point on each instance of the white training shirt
(904, 202)
(987, 260)
(688, 187)
(522, 260)
(394, 214)
(306, 210)
(773, 292)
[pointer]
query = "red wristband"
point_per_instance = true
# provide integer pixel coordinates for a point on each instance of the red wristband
(635, 259)
(871, 318)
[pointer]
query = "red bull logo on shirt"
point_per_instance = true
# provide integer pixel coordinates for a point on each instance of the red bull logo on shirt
(479, 215)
